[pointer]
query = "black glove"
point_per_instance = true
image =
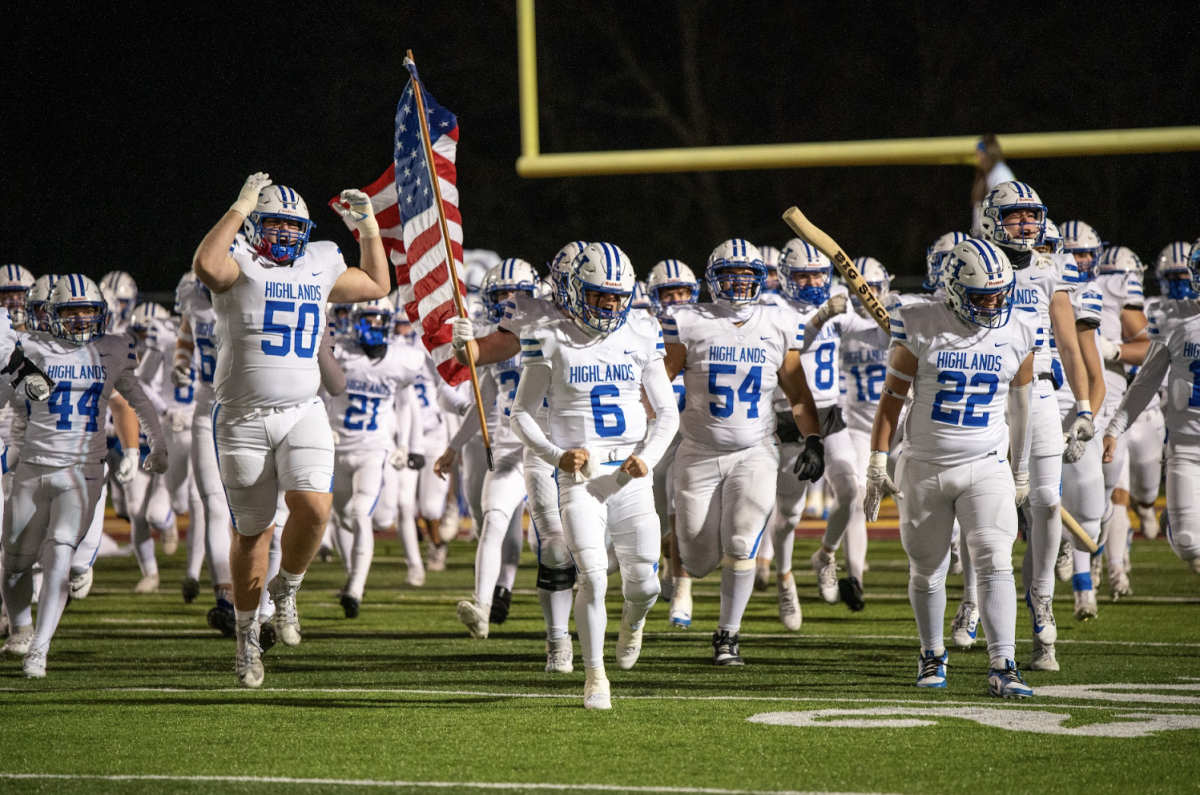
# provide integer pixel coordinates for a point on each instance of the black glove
(810, 464)
(416, 461)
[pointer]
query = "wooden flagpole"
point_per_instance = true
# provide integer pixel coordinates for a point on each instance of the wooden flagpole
(458, 302)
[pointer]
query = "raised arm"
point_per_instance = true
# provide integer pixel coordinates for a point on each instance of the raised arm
(212, 264)
(370, 281)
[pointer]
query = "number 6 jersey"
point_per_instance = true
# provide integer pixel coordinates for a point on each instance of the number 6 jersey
(731, 371)
(269, 326)
(963, 375)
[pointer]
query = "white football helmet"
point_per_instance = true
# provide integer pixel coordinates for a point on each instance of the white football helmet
(15, 282)
(371, 322)
(36, 314)
(512, 275)
(1052, 240)
(798, 258)
(475, 266)
(545, 290)
(278, 245)
(77, 309)
(640, 299)
(977, 269)
(1119, 259)
(560, 270)
(124, 293)
(338, 318)
(935, 258)
(770, 256)
(189, 284)
(600, 268)
(877, 278)
(671, 273)
(1082, 242)
(1173, 270)
(737, 290)
(146, 315)
(1005, 198)
(401, 327)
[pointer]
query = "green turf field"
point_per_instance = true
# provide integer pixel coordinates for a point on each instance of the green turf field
(141, 697)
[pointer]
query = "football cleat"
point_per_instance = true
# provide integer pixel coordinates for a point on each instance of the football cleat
(1085, 605)
(350, 605)
(1041, 612)
(725, 649)
(1043, 658)
(287, 620)
(1097, 568)
(762, 575)
(789, 604)
(34, 664)
(474, 619)
(325, 554)
(1064, 567)
(191, 589)
(965, 626)
(416, 576)
(1118, 584)
(501, 602)
(680, 616)
(436, 557)
(1148, 519)
(851, 593)
(19, 640)
(80, 585)
(1007, 682)
(248, 662)
(560, 656)
(827, 578)
(222, 619)
(931, 668)
(596, 691)
(148, 584)
(629, 640)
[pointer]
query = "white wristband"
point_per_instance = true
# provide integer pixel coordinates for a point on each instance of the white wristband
(1083, 407)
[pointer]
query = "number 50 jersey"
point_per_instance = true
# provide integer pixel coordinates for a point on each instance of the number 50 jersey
(963, 374)
(269, 326)
(731, 371)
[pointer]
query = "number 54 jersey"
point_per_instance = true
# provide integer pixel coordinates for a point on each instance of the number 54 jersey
(269, 326)
(731, 371)
(963, 374)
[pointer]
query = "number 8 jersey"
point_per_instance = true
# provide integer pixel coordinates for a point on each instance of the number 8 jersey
(731, 371)
(963, 375)
(269, 326)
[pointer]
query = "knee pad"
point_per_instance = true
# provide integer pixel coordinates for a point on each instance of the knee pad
(927, 583)
(549, 579)
(1044, 495)
(639, 583)
(16, 564)
(737, 564)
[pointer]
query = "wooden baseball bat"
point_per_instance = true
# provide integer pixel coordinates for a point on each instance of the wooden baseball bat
(810, 234)
(1069, 522)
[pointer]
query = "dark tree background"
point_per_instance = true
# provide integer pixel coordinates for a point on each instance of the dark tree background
(127, 132)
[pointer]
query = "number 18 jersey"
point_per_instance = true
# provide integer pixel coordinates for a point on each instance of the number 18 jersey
(731, 371)
(961, 387)
(269, 326)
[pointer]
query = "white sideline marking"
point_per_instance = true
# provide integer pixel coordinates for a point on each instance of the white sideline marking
(149, 621)
(366, 782)
(675, 633)
(1094, 695)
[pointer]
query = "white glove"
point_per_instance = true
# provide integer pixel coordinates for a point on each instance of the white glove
(178, 420)
(1109, 351)
(355, 206)
(1082, 428)
(464, 332)
(879, 485)
(181, 374)
(399, 457)
(156, 462)
(836, 305)
(247, 200)
(128, 466)
(1021, 479)
(38, 387)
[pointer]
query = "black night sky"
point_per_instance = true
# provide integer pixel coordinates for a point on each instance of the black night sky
(127, 132)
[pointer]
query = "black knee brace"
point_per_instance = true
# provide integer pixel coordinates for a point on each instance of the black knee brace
(549, 579)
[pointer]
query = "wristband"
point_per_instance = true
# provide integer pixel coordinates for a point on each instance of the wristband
(1083, 407)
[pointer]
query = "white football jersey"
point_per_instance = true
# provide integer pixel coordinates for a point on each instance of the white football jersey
(1086, 301)
(1176, 325)
(595, 394)
(1118, 291)
(269, 327)
(425, 388)
(864, 350)
(1035, 285)
(195, 304)
(519, 311)
(731, 371)
(962, 381)
(68, 429)
(9, 338)
(364, 415)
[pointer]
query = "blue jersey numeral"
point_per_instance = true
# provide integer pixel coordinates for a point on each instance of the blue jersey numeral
(602, 414)
(823, 356)
(749, 392)
(969, 418)
(208, 359)
(507, 377)
(869, 381)
(307, 322)
(422, 395)
(87, 406)
(680, 396)
(186, 394)
(359, 406)
(1195, 370)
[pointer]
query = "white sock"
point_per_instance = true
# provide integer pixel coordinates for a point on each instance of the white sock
(930, 612)
(683, 587)
(783, 538)
(361, 555)
(556, 611)
(1045, 536)
(998, 612)
(591, 618)
(969, 590)
(56, 576)
(487, 558)
(292, 580)
(737, 585)
(1118, 536)
(245, 619)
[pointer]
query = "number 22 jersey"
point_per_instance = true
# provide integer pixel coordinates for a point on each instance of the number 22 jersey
(963, 375)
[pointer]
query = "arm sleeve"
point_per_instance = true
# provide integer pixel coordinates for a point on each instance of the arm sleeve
(535, 383)
(1145, 385)
(1020, 440)
(16, 434)
(405, 397)
(130, 388)
(666, 412)
(453, 400)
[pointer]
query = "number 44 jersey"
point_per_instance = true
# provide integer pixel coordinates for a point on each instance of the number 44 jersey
(731, 371)
(68, 429)
(963, 374)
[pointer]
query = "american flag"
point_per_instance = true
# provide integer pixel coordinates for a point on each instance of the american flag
(406, 208)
